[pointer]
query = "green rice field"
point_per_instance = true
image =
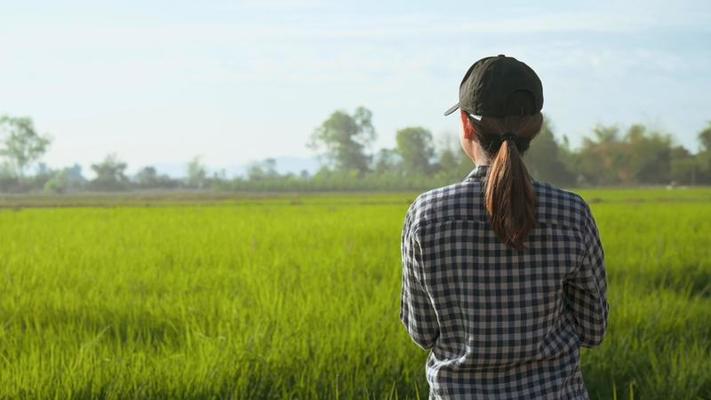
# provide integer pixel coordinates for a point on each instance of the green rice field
(297, 297)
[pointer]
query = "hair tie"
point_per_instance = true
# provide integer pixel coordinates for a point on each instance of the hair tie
(508, 136)
(492, 143)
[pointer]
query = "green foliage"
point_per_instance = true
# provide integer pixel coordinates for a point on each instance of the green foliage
(149, 178)
(607, 157)
(297, 297)
(648, 155)
(640, 157)
(448, 160)
(265, 169)
(414, 145)
(704, 156)
(601, 158)
(705, 138)
(387, 161)
(545, 161)
(682, 165)
(343, 138)
(110, 174)
(196, 173)
(22, 145)
(59, 183)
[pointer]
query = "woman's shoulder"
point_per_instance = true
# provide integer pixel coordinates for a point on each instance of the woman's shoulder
(555, 191)
(559, 205)
(453, 201)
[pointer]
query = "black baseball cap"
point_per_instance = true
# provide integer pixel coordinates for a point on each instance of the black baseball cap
(490, 82)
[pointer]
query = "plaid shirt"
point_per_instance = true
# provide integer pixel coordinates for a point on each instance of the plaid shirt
(501, 323)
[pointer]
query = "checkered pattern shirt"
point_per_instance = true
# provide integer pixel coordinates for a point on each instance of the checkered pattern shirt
(501, 323)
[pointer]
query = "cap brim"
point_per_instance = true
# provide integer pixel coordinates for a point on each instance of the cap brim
(452, 109)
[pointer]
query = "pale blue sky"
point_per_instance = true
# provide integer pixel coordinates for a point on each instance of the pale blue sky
(163, 81)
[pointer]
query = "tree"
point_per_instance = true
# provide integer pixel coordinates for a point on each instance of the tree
(452, 162)
(683, 166)
(569, 157)
(640, 156)
(43, 170)
(601, 160)
(58, 183)
(6, 170)
(343, 140)
(265, 169)
(648, 155)
(22, 145)
(197, 173)
(74, 175)
(705, 138)
(414, 145)
(66, 179)
(447, 160)
(544, 158)
(386, 161)
(220, 175)
(42, 174)
(146, 177)
(110, 174)
(704, 156)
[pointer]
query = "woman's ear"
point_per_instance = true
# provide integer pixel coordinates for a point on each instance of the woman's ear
(467, 126)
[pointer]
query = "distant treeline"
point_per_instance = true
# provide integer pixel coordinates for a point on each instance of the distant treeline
(607, 157)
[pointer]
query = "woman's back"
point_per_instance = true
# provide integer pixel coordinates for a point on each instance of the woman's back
(502, 323)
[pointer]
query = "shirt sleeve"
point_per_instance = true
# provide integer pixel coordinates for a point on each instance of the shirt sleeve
(416, 311)
(586, 289)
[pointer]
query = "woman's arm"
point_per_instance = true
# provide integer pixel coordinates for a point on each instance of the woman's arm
(416, 311)
(586, 289)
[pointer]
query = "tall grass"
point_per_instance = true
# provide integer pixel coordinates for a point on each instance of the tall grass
(298, 298)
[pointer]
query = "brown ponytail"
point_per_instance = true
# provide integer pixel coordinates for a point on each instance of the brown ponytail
(509, 197)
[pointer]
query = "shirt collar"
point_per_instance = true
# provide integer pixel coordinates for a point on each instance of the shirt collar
(477, 173)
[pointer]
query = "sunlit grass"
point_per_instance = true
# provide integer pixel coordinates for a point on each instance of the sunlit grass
(297, 297)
